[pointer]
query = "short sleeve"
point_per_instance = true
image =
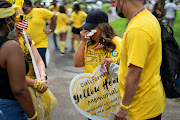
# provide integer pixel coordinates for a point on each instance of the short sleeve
(175, 7)
(138, 46)
(116, 53)
(46, 14)
(72, 16)
(32, 44)
(84, 15)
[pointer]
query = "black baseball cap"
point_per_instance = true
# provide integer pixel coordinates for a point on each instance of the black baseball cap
(94, 18)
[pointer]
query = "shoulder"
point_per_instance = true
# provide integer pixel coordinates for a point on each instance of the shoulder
(11, 46)
(117, 40)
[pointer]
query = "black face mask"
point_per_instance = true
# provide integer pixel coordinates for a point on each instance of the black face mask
(23, 9)
(120, 14)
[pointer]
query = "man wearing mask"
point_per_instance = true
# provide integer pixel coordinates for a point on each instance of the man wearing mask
(36, 18)
(141, 89)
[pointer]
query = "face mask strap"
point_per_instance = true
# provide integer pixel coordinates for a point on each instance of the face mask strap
(9, 23)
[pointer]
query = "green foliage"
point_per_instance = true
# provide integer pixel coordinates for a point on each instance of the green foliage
(106, 7)
(119, 26)
(176, 27)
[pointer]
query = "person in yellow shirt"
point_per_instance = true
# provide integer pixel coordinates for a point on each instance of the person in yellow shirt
(68, 9)
(54, 6)
(43, 101)
(62, 28)
(36, 18)
(140, 84)
(77, 18)
(101, 47)
(55, 9)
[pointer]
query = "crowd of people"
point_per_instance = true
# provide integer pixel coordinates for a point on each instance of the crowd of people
(94, 41)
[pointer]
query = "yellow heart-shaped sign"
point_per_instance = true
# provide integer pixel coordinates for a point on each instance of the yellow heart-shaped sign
(96, 95)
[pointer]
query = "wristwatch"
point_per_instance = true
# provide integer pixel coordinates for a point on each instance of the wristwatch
(44, 76)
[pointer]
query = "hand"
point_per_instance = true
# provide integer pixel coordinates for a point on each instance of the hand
(45, 87)
(43, 79)
(106, 61)
(121, 114)
(83, 33)
(48, 32)
(28, 37)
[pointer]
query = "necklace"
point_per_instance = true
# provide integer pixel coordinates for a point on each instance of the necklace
(139, 11)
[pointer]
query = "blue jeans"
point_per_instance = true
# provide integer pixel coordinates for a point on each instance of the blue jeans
(42, 52)
(55, 43)
(10, 110)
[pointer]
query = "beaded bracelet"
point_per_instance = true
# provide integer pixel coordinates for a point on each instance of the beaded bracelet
(36, 84)
(116, 61)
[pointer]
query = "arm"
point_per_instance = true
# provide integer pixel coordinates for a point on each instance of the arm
(52, 25)
(164, 12)
(30, 82)
(53, 22)
(16, 73)
(132, 82)
(39, 62)
(78, 57)
(175, 13)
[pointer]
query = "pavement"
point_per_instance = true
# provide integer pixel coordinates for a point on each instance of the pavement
(61, 71)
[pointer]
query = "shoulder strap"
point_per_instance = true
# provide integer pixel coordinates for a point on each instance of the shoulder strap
(3, 39)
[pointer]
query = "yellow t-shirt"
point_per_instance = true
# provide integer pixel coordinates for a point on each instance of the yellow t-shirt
(36, 24)
(141, 46)
(52, 8)
(78, 19)
(27, 55)
(93, 58)
(62, 19)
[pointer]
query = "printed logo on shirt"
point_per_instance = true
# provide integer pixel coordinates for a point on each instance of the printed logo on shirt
(115, 53)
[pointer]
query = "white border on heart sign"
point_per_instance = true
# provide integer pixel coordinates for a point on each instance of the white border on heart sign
(113, 69)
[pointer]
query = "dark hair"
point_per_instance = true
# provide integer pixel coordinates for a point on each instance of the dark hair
(62, 9)
(28, 2)
(35, 2)
(64, 3)
(155, 6)
(3, 4)
(76, 7)
(170, 0)
(108, 34)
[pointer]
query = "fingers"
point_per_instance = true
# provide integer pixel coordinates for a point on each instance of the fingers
(84, 32)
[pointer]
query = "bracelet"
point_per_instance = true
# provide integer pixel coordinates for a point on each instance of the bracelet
(124, 107)
(40, 87)
(35, 115)
(116, 61)
(44, 75)
(36, 83)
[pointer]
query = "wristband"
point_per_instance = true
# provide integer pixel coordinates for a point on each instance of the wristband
(124, 107)
(44, 75)
(35, 115)
(116, 61)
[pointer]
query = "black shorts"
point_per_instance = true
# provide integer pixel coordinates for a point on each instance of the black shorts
(76, 30)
